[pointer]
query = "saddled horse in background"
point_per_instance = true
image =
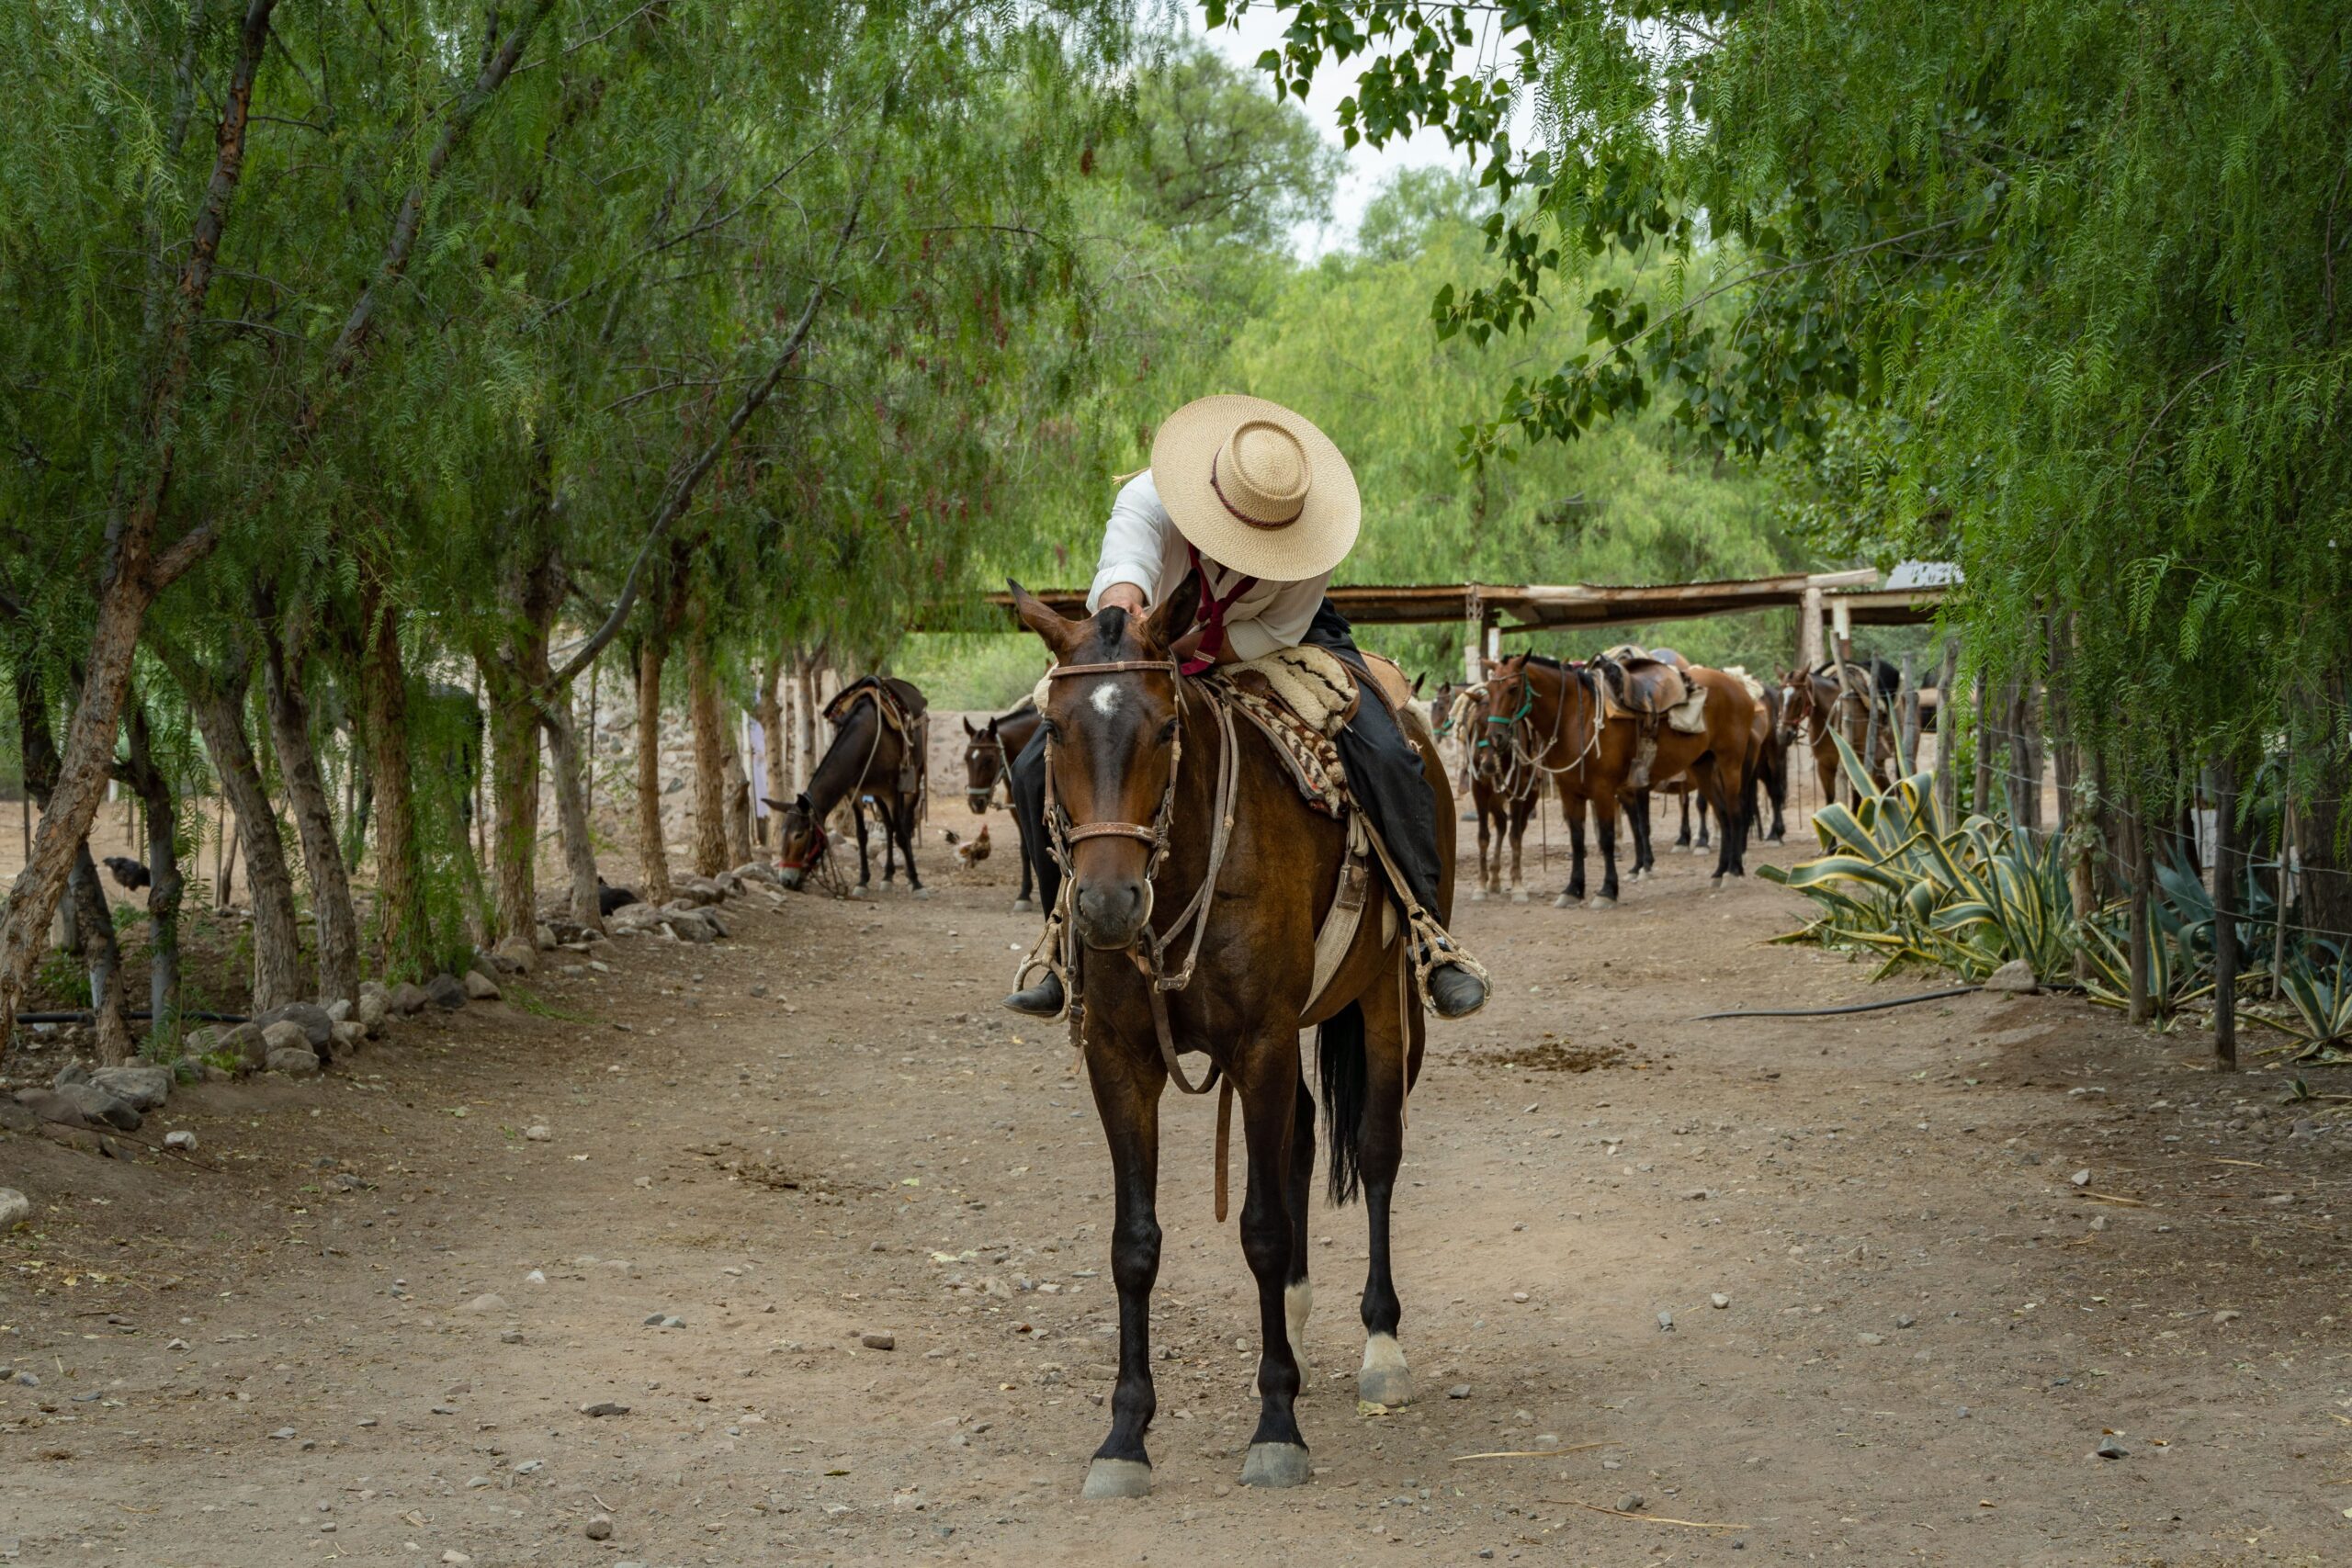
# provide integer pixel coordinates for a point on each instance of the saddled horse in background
(876, 754)
(1554, 714)
(989, 751)
(1768, 779)
(1504, 791)
(1184, 832)
(1816, 705)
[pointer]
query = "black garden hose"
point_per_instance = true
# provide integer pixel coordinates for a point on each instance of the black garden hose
(1849, 1006)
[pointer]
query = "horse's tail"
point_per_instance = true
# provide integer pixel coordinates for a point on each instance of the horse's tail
(1345, 1073)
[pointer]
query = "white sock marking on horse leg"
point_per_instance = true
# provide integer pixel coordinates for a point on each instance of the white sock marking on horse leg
(1298, 1305)
(1382, 1353)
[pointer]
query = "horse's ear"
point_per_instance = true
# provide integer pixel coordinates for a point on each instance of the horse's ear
(802, 804)
(1172, 616)
(1488, 668)
(773, 805)
(970, 730)
(1416, 682)
(1056, 631)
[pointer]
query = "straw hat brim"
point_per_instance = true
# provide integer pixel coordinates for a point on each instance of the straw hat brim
(1182, 457)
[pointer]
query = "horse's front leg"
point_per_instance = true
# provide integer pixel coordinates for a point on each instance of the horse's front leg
(1703, 821)
(1268, 1090)
(1026, 902)
(1127, 1095)
(1682, 840)
(865, 860)
(1573, 894)
(888, 813)
(1519, 815)
(1478, 890)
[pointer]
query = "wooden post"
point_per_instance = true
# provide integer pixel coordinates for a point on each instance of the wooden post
(1981, 796)
(1809, 655)
(1947, 725)
(2139, 1010)
(2225, 929)
(2286, 887)
(1907, 719)
(1473, 619)
(588, 763)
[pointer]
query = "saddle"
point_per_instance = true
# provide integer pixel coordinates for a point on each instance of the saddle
(1649, 692)
(901, 708)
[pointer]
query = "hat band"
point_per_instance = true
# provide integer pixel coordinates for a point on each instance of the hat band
(1254, 522)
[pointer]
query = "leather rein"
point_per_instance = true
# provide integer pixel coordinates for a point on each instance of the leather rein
(1149, 949)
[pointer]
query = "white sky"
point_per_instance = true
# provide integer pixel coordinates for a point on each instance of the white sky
(1261, 29)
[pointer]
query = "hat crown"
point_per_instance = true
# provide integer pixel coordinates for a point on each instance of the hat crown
(1262, 473)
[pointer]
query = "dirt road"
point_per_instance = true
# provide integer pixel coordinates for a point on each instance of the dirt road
(1830, 1288)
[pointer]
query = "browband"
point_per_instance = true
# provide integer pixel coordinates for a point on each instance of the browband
(1116, 667)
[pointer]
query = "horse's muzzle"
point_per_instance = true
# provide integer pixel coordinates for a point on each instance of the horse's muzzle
(977, 799)
(1110, 915)
(790, 876)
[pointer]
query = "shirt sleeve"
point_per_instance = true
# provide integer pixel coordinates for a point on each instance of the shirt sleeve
(1280, 622)
(1135, 541)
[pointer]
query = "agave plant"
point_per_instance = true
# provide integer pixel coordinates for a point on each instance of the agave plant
(1895, 880)
(2177, 974)
(2320, 994)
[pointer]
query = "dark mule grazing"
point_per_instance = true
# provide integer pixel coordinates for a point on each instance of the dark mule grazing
(1138, 761)
(989, 752)
(1504, 791)
(871, 757)
(1814, 706)
(1552, 715)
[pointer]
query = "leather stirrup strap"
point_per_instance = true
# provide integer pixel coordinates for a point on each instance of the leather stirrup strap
(1224, 1140)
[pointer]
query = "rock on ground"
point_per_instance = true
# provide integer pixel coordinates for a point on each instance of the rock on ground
(102, 1105)
(407, 998)
(316, 1025)
(298, 1062)
(144, 1086)
(444, 992)
(2014, 978)
(14, 1206)
(284, 1035)
(479, 986)
(247, 1044)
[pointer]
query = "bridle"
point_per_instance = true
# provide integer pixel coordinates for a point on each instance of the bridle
(1148, 949)
(981, 799)
(1520, 755)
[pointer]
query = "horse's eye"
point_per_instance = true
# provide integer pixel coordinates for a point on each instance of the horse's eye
(1167, 730)
(1053, 731)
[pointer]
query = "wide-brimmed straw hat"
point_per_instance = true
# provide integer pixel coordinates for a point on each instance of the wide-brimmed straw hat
(1256, 487)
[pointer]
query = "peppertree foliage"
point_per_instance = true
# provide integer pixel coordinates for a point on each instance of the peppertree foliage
(2048, 287)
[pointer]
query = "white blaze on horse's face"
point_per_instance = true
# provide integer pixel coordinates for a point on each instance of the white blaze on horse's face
(1105, 700)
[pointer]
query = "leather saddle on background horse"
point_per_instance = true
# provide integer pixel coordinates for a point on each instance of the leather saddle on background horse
(1648, 692)
(901, 708)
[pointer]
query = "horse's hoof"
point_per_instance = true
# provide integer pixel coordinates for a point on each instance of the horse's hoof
(1385, 1379)
(858, 891)
(1117, 1478)
(1600, 901)
(1477, 895)
(1024, 905)
(1275, 1465)
(1519, 894)
(921, 892)
(1563, 902)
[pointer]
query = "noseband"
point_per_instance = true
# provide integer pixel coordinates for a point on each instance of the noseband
(1148, 949)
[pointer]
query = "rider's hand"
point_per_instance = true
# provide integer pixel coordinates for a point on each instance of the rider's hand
(1125, 595)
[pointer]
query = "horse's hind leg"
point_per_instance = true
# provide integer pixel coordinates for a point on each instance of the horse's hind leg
(1479, 889)
(1604, 811)
(906, 829)
(1682, 840)
(1702, 822)
(1519, 815)
(888, 813)
(1384, 1378)
(1127, 1095)
(864, 859)
(1298, 1291)
(1277, 1454)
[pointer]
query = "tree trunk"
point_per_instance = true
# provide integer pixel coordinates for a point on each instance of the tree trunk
(653, 859)
(514, 801)
(217, 700)
(804, 723)
(710, 764)
(404, 928)
(2225, 924)
(102, 957)
(738, 802)
(164, 889)
(770, 713)
(571, 811)
(298, 762)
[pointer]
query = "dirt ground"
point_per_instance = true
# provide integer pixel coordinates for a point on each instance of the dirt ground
(824, 1129)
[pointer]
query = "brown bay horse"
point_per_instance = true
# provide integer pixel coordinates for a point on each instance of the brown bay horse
(1553, 714)
(1505, 790)
(875, 755)
(989, 752)
(1815, 705)
(1182, 833)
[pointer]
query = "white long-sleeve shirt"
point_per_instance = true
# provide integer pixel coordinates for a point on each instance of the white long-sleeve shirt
(1141, 546)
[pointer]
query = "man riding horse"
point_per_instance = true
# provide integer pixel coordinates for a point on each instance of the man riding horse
(1260, 503)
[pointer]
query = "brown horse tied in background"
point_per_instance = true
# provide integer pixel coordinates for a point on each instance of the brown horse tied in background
(988, 761)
